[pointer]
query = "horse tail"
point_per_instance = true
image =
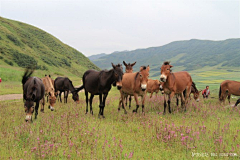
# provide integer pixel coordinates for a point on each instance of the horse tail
(220, 92)
(27, 74)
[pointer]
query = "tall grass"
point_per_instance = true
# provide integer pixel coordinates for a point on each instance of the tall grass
(67, 133)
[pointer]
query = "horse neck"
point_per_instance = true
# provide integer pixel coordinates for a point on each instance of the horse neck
(137, 80)
(109, 76)
(71, 87)
(170, 80)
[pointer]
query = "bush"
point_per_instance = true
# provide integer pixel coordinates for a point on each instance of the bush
(14, 40)
(8, 62)
(24, 60)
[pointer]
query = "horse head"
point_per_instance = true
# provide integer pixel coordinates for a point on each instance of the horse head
(129, 67)
(165, 71)
(118, 74)
(29, 104)
(144, 74)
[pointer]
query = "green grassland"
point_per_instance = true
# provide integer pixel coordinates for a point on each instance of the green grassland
(67, 133)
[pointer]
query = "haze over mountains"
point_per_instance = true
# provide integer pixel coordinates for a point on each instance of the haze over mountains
(184, 55)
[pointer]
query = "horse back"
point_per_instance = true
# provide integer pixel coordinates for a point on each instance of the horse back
(182, 80)
(232, 87)
(34, 83)
(130, 84)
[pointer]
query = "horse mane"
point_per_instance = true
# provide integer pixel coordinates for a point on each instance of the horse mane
(166, 63)
(194, 86)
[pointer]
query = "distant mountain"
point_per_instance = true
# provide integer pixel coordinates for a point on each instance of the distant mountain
(22, 45)
(97, 56)
(184, 55)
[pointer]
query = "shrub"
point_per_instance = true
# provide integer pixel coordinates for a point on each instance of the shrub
(14, 39)
(8, 62)
(24, 60)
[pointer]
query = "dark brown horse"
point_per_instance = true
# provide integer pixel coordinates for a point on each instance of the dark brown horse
(129, 69)
(64, 84)
(134, 84)
(227, 88)
(195, 92)
(33, 91)
(100, 83)
(174, 83)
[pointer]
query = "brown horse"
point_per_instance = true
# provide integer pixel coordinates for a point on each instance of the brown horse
(153, 86)
(175, 83)
(49, 92)
(134, 84)
(227, 88)
(129, 69)
(195, 92)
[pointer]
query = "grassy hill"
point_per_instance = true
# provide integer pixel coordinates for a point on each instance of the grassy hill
(209, 62)
(22, 45)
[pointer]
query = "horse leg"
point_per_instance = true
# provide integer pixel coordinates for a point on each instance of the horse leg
(130, 99)
(136, 99)
(100, 105)
(42, 101)
(165, 104)
(229, 96)
(238, 101)
(169, 101)
(177, 100)
(187, 94)
(151, 94)
(66, 95)
(143, 101)
(91, 98)
(60, 96)
(183, 101)
(124, 96)
(86, 95)
(104, 100)
(36, 109)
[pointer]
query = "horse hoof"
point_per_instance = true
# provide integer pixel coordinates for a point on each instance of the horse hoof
(125, 112)
(164, 113)
(134, 111)
(103, 116)
(86, 112)
(118, 109)
(92, 112)
(42, 110)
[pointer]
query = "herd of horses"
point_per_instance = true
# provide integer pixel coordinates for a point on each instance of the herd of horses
(171, 84)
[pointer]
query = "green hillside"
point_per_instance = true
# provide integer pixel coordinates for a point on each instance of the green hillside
(22, 45)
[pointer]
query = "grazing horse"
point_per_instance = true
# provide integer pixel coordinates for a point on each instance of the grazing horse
(227, 88)
(129, 69)
(49, 92)
(175, 83)
(33, 91)
(134, 84)
(100, 83)
(195, 92)
(64, 84)
(153, 86)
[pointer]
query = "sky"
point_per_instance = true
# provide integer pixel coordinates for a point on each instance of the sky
(105, 26)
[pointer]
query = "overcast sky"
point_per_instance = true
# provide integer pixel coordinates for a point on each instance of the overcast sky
(100, 26)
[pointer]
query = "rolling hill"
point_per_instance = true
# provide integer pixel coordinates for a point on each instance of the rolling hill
(184, 55)
(23, 45)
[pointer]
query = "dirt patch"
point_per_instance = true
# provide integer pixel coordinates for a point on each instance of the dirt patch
(10, 97)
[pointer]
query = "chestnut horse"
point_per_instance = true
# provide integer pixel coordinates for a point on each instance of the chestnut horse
(129, 69)
(100, 83)
(33, 91)
(134, 84)
(174, 83)
(49, 92)
(153, 86)
(227, 88)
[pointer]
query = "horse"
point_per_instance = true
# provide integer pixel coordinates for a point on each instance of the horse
(195, 92)
(227, 88)
(33, 91)
(134, 84)
(129, 69)
(64, 84)
(49, 92)
(100, 83)
(175, 83)
(153, 86)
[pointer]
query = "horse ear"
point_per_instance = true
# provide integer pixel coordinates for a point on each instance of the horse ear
(170, 66)
(113, 66)
(49, 75)
(148, 68)
(124, 63)
(45, 75)
(133, 63)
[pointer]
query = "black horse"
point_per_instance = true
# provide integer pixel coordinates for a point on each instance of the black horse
(100, 83)
(33, 91)
(64, 84)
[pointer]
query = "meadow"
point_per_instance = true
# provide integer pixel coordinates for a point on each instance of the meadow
(207, 130)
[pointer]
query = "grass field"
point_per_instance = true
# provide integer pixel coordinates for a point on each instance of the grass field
(67, 133)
